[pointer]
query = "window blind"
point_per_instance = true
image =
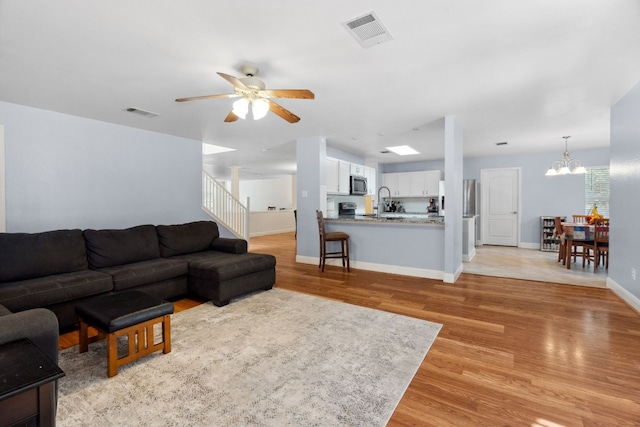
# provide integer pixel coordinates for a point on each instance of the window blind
(596, 190)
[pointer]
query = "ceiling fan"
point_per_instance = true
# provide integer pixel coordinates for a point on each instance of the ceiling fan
(252, 92)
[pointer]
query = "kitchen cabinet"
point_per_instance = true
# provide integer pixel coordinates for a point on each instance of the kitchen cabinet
(417, 183)
(431, 182)
(332, 176)
(399, 183)
(356, 169)
(338, 173)
(413, 184)
(370, 174)
(425, 183)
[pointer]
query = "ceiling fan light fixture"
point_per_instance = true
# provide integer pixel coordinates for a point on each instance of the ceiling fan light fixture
(260, 108)
(241, 108)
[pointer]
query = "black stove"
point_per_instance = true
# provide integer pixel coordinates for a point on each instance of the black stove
(347, 209)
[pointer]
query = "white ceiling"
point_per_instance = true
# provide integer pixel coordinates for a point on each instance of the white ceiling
(523, 72)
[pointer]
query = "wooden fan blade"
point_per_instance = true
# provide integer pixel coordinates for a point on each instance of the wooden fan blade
(290, 93)
(234, 81)
(231, 117)
(197, 98)
(283, 112)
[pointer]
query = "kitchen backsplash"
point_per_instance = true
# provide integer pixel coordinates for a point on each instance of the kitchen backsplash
(410, 204)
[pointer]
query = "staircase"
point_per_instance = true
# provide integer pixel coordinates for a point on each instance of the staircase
(220, 204)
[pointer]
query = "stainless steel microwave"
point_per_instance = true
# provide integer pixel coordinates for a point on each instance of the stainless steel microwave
(358, 186)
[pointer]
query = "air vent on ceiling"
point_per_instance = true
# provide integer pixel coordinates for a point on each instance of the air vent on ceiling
(501, 143)
(368, 30)
(147, 114)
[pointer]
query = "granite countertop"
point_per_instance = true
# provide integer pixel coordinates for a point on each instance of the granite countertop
(395, 218)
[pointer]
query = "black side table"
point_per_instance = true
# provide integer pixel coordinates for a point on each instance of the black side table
(27, 385)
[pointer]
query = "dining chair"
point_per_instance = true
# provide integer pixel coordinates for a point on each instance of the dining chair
(334, 236)
(599, 246)
(576, 245)
(559, 235)
(579, 219)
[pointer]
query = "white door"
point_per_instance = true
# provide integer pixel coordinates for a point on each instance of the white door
(500, 202)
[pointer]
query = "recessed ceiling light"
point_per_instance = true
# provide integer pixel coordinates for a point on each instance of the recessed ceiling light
(214, 149)
(402, 150)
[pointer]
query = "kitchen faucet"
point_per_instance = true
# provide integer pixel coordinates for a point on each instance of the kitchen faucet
(380, 205)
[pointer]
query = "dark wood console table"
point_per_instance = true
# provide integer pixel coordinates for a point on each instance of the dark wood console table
(27, 385)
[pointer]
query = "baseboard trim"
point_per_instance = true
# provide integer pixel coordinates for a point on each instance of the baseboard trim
(624, 294)
(468, 257)
(380, 268)
(451, 278)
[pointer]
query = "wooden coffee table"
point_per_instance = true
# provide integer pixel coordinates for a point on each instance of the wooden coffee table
(130, 313)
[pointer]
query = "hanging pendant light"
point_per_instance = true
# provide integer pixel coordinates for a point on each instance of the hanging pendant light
(566, 165)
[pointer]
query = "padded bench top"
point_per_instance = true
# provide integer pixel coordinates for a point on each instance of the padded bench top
(118, 311)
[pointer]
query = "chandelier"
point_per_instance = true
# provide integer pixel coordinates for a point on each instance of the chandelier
(566, 165)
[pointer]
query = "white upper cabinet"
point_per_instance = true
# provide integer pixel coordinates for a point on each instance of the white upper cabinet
(413, 184)
(338, 173)
(344, 174)
(399, 183)
(370, 174)
(357, 169)
(431, 184)
(332, 176)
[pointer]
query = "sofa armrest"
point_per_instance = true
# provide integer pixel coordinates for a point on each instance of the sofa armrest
(232, 246)
(39, 325)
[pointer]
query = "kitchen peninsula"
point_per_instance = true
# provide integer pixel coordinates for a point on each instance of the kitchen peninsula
(409, 245)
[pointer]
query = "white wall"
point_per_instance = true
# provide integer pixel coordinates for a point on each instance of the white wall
(64, 171)
(625, 203)
(268, 192)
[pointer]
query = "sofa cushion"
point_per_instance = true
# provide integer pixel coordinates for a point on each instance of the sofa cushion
(145, 272)
(54, 289)
(4, 310)
(186, 238)
(233, 246)
(106, 248)
(220, 266)
(27, 256)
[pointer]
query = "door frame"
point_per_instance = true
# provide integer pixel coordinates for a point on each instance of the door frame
(483, 193)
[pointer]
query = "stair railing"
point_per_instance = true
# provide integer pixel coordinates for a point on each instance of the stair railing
(220, 204)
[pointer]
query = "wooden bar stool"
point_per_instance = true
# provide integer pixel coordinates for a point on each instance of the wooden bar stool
(336, 236)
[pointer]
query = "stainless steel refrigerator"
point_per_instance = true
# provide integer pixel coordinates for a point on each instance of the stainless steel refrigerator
(469, 198)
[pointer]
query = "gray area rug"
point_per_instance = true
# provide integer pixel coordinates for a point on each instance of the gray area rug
(274, 358)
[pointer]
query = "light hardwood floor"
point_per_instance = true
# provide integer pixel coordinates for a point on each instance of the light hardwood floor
(510, 353)
(533, 264)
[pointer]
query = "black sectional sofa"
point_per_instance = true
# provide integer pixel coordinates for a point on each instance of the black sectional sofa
(56, 269)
